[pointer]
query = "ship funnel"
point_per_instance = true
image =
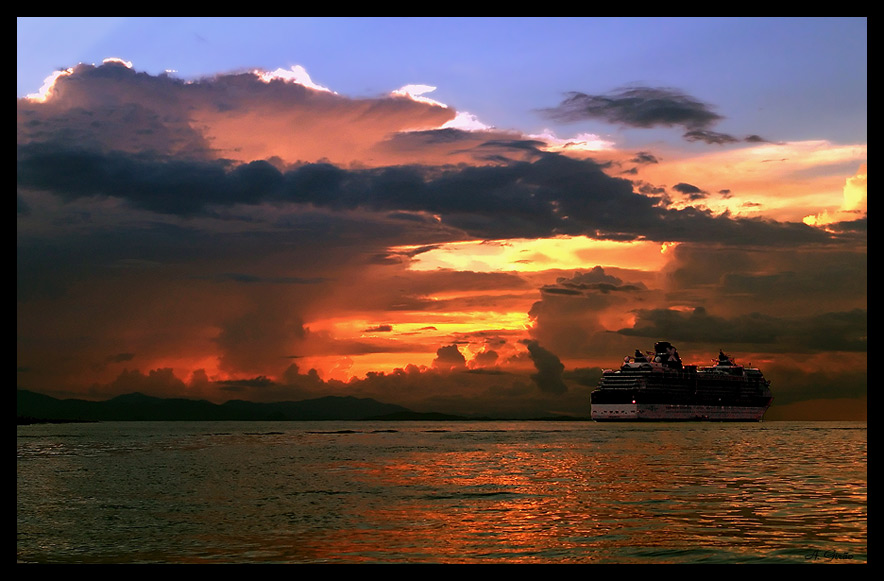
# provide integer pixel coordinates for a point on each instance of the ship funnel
(662, 346)
(667, 354)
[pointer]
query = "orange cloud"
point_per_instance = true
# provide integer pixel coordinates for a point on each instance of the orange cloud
(256, 235)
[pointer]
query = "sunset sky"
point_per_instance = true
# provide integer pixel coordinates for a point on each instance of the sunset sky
(469, 216)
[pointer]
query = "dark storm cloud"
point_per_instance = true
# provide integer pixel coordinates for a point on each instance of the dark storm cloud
(637, 107)
(709, 137)
(239, 384)
(449, 358)
(858, 226)
(840, 331)
(400, 256)
(484, 360)
(716, 138)
(644, 157)
(161, 382)
(645, 107)
(775, 281)
(691, 191)
(166, 186)
(453, 145)
(79, 145)
(549, 369)
(567, 319)
(553, 195)
(594, 281)
(379, 329)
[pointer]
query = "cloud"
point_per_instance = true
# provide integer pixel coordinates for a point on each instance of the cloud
(554, 195)
(88, 141)
(839, 331)
(379, 329)
(255, 341)
(160, 382)
(449, 358)
(637, 107)
(691, 191)
(484, 359)
(573, 316)
(239, 384)
(592, 282)
(295, 74)
(645, 107)
(787, 281)
(853, 205)
(549, 369)
(243, 116)
(223, 227)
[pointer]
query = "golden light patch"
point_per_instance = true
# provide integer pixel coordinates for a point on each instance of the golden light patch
(855, 191)
(45, 92)
(407, 338)
(854, 202)
(425, 327)
(535, 255)
(780, 181)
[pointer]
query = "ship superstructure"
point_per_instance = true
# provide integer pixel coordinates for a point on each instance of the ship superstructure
(659, 387)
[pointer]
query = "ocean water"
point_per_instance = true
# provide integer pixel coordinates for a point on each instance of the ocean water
(442, 492)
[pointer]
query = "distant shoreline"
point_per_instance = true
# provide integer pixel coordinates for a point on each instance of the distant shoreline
(26, 421)
(36, 408)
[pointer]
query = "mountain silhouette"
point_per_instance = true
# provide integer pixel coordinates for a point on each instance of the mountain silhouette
(32, 406)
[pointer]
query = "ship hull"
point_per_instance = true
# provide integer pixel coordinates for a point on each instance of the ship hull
(680, 396)
(630, 412)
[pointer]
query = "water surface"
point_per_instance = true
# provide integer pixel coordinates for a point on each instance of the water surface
(442, 492)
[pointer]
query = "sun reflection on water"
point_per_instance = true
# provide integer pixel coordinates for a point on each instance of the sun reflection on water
(520, 492)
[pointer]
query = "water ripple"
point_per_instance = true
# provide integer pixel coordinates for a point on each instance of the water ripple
(520, 492)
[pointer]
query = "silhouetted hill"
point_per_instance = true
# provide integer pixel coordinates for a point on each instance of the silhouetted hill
(139, 407)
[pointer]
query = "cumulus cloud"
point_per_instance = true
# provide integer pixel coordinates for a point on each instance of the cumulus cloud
(226, 226)
(449, 358)
(243, 116)
(551, 196)
(549, 369)
(594, 281)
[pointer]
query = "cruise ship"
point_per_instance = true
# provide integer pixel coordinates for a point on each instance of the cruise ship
(658, 387)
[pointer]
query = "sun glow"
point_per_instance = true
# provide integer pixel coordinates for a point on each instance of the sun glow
(853, 205)
(535, 255)
(45, 91)
(581, 142)
(466, 317)
(778, 180)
